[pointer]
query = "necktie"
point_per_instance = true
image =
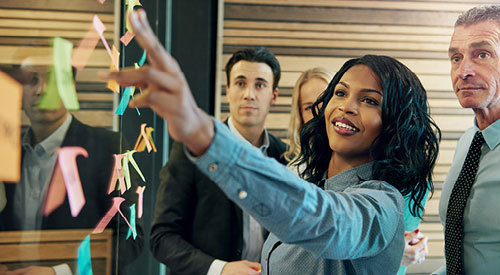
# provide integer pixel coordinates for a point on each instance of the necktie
(453, 232)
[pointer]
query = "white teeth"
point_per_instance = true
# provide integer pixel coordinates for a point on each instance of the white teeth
(345, 126)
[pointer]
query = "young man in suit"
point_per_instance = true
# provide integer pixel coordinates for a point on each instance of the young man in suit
(49, 130)
(197, 229)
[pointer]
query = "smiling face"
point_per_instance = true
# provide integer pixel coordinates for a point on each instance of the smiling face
(309, 92)
(250, 93)
(353, 115)
(475, 65)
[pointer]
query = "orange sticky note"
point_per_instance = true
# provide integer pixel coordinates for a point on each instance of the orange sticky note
(140, 193)
(85, 48)
(117, 201)
(112, 84)
(10, 128)
(127, 37)
(100, 28)
(145, 139)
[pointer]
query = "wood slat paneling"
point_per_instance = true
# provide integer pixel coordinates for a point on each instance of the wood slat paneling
(305, 34)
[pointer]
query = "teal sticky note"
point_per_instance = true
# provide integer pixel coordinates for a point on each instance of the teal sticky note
(127, 92)
(143, 59)
(49, 99)
(132, 223)
(64, 73)
(84, 263)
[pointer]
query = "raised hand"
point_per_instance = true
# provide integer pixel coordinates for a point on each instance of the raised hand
(165, 90)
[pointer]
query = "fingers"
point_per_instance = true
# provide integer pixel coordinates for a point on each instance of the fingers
(254, 265)
(156, 53)
(144, 77)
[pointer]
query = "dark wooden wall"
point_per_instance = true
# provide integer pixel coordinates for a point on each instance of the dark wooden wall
(305, 34)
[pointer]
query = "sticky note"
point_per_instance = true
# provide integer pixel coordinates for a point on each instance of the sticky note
(130, 157)
(84, 259)
(145, 139)
(67, 162)
(49, 99)
(82, 53)
(130, 7)
(133, 230)
(100, 28)
(101, 1)
(143, 59)
(112, 84)
(127, 37)
(117, 174)
(140, 194)
(56, 192)
(10, 133)
(127, 92)
(117, 201)
(64, 73)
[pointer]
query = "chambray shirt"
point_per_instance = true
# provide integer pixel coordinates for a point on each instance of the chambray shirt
(38, 164)
(481, 215)
(363, 222)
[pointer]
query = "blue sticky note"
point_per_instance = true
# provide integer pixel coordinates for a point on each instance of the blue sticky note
(132, 223)
(127, 92)
(84, 264)
(143, 59)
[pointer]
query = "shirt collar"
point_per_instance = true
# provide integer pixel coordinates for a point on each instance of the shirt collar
(350, 177)
(52, 142)
(233, 129)
(491, 134)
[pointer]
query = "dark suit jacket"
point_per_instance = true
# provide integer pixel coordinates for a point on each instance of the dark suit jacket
(195, 223)
(95, 174)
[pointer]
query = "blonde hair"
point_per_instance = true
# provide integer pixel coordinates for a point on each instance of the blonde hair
(296, 115)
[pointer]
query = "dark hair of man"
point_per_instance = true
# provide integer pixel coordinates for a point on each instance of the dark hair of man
(479, 14)
(260, 55)
(405, 152)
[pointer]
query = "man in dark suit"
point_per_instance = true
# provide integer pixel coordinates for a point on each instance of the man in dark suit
(51, 129)
(196, 229)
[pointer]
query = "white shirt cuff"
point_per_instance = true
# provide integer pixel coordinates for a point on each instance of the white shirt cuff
(62, 269)
(216, 267)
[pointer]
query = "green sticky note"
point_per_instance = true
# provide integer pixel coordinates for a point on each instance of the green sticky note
(64, 73)
(50, 99)
(130, 7)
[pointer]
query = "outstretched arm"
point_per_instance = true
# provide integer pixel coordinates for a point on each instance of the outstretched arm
(165, 90)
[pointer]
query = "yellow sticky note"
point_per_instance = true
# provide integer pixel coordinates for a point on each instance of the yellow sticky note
(130, 7)
(10, 128)
(113, 85)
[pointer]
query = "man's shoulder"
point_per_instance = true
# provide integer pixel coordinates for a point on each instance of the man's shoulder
(81, 134)
(276, 149)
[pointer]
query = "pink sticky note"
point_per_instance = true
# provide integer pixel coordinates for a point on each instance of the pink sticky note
(117, 201)
(56, 192)
(127, 37)
(100, 28)
(85, 48)
(117, 174)
(140, 192)
(101, 1)
(67, 162)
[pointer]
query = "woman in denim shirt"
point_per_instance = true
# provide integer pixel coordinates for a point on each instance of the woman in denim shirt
(370, 143)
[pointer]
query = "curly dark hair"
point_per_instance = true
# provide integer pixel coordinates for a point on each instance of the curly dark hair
(405, 152)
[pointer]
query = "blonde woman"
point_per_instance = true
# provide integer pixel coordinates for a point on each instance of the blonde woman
(310, 84)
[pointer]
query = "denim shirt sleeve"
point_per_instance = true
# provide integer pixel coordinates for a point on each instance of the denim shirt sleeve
(334, 225)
